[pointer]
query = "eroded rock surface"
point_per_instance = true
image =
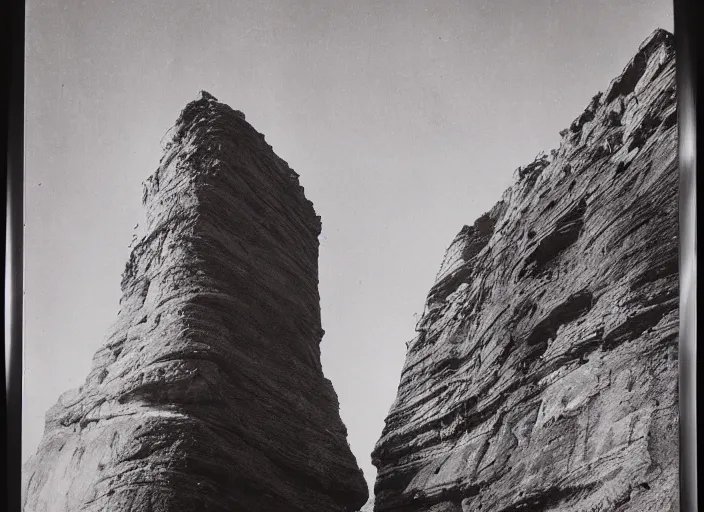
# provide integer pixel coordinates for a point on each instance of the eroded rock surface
(208, 394)
(544, 373)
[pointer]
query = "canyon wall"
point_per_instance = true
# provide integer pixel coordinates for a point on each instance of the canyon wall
(208, 393)
(544, 372)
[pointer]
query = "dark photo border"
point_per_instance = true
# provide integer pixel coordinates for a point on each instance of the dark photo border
(13, 112)
(685, 31)
(686, 26)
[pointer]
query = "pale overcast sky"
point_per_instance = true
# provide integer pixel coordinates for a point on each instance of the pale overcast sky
(405, 120)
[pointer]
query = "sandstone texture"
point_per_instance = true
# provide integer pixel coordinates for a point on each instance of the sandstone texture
(544, 373)
(208, 394)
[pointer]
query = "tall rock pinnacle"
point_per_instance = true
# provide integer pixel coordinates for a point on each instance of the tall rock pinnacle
(544, 373)
(208, 394)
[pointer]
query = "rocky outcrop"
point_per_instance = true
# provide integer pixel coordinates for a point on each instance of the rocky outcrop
(544, 373)
(208, 394)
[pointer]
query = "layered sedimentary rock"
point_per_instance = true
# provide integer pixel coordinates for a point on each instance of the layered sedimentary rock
(208, 394)
(544, 372)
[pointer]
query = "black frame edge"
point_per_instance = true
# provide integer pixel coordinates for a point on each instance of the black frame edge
(685, 26)
(14, 226)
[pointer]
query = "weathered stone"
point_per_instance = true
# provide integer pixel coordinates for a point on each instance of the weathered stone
(544, 372)
(208, 394)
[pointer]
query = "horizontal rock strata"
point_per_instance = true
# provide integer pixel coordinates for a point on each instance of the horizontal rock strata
(208, 394)
(544, 373)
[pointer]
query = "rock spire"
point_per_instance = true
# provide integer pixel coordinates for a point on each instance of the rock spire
(208, 393)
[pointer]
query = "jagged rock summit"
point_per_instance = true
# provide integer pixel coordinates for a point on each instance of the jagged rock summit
(544, 374)
(208, 394)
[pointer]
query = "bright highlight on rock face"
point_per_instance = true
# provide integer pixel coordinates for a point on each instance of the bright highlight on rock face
(208, 394)
(544, 372)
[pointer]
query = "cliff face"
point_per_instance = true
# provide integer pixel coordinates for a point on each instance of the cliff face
(544, 372)
(208, 393)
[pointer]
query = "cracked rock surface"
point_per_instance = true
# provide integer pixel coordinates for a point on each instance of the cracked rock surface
(208, 393)
(544, 373)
